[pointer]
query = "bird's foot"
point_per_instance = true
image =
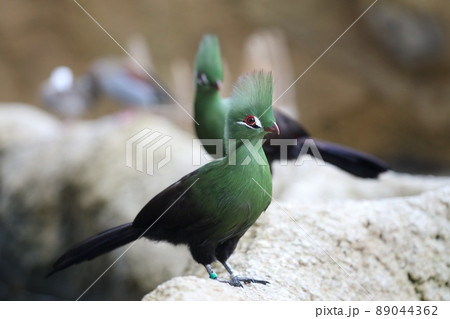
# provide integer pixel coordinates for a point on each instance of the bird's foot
(236, 281)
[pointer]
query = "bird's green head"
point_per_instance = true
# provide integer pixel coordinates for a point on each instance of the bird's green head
(208, 64)
(250, 114)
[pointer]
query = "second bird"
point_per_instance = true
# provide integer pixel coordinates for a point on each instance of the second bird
(211, 108)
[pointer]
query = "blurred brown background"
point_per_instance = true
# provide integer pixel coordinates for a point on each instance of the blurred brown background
(390, 98)
(383, 88)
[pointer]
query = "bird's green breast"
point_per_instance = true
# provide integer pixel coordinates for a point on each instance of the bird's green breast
(235, 195)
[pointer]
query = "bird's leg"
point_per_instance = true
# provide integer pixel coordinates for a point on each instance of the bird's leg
(236, 279)
(230, 269)
(211, 272)
(213, 275)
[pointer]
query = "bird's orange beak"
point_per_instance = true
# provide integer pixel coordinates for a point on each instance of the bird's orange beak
(273, 129)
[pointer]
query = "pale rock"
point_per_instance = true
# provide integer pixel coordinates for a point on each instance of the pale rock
(380, 249)
(390, 242)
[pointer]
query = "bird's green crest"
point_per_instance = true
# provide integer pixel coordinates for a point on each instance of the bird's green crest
(208, 60)
(252, 95)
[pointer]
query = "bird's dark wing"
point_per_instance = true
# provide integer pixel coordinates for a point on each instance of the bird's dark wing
(175, 212)
(289, 128)
(350, 160)
(170, 198)
(169, 216)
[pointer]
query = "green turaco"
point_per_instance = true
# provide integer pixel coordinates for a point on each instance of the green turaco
(210, 110)
(211, 208)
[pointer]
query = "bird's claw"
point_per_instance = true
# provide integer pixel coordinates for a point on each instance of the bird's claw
(248, 280)
(236, 281)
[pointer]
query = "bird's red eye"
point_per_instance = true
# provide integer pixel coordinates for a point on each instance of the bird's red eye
(250, 120)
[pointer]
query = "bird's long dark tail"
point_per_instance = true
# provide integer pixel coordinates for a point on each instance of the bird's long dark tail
(97, 245)
(352, 161)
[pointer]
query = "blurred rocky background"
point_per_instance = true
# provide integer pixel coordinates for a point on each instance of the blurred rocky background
(382, 88)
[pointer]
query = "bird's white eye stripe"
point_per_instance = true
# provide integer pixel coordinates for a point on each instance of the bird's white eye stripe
(243, 123)
(255, 125)
(258, 122)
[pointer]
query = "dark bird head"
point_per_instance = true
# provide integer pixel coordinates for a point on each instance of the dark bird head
(208, 64)
(250, 114)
